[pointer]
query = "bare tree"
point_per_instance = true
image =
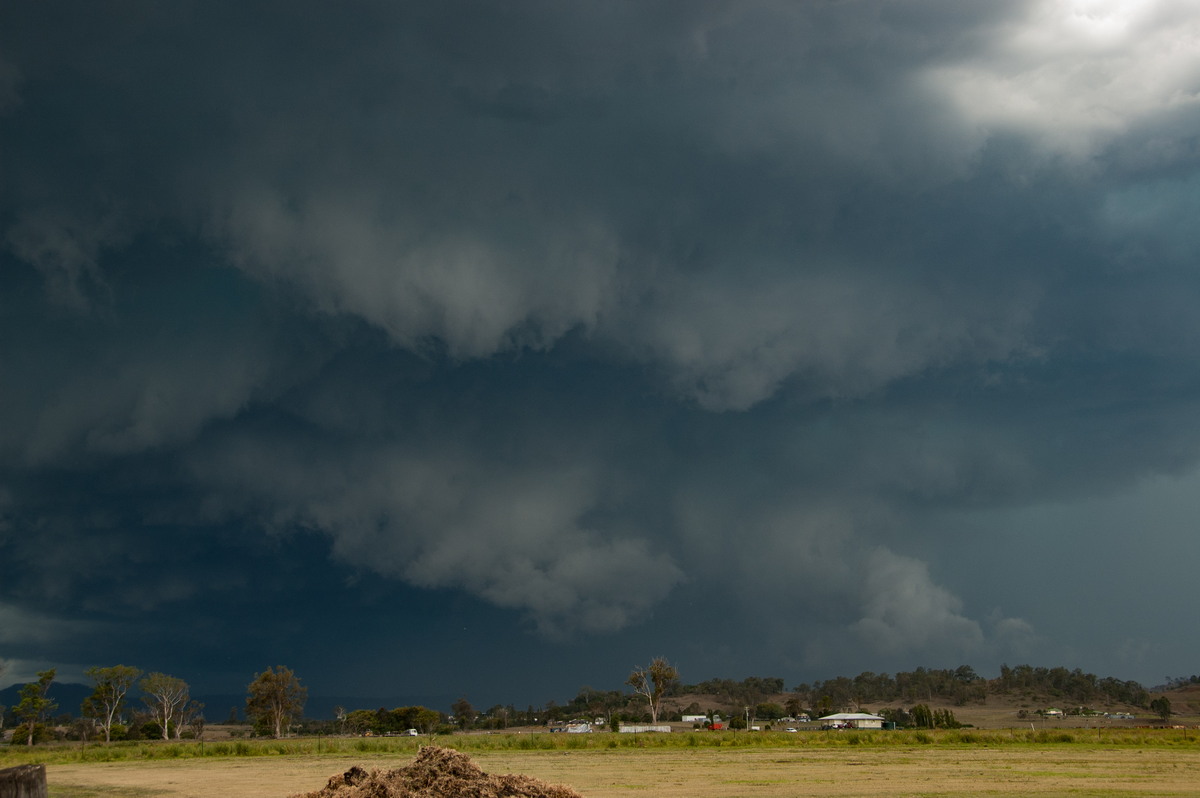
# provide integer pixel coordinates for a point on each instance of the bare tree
(192, 717)
(653, 682)
(165, 696)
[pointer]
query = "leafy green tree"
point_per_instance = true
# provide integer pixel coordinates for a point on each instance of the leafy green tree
(361, 721)
(1162, 707)
(944, 719)
(897, 716)
(165, 696)
(653, 683)
(464, 713)
(275, 697)
(108, 699)
(768, 710)
(497, 717)
(34, 704)
(922, 716)
(426, 720)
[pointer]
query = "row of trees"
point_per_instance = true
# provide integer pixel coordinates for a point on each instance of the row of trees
(748, 691)
(962, 686)
(392, 721)
(274, 698)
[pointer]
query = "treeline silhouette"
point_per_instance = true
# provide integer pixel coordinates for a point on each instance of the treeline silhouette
(960, 686)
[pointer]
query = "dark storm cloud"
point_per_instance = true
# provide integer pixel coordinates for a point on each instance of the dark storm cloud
(584, 309)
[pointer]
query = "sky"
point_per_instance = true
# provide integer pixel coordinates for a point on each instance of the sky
(493, 349)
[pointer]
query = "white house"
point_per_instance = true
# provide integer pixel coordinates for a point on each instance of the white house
(853, 720)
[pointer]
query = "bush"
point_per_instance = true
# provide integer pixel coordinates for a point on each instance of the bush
(150, 731)
(41, 734)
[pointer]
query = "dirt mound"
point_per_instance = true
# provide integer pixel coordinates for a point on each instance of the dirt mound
(437, 773)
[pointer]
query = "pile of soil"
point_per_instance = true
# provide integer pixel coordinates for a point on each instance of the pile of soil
(437, 773)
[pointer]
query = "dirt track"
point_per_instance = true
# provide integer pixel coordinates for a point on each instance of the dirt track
(734, 773)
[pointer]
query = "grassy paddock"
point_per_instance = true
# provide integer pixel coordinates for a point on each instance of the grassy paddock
(478, 743)
(864, 765)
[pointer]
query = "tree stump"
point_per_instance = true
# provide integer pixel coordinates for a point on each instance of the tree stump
(23, 781)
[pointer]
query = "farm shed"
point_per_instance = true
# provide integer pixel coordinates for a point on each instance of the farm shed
(853, 720)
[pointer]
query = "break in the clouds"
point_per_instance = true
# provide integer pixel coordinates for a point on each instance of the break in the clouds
(627, 322)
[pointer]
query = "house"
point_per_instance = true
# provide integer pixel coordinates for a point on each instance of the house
(853, 720)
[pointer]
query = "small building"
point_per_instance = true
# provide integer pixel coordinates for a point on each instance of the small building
(641, 728)
(853, 720)
(695, 718)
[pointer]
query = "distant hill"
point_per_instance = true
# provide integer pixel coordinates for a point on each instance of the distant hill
(68, 696)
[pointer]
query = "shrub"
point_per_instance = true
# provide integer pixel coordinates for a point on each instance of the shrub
(41, 734)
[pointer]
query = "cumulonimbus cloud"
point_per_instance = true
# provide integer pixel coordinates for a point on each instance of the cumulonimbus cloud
(815, 258)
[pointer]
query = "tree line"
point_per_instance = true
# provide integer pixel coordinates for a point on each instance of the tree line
(963, 685)
(274, 699)
(766, 697)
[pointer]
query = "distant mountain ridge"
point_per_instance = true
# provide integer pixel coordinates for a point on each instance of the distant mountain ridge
(68, 696)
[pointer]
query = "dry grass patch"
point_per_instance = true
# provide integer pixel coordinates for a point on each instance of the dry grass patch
(995, 772)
